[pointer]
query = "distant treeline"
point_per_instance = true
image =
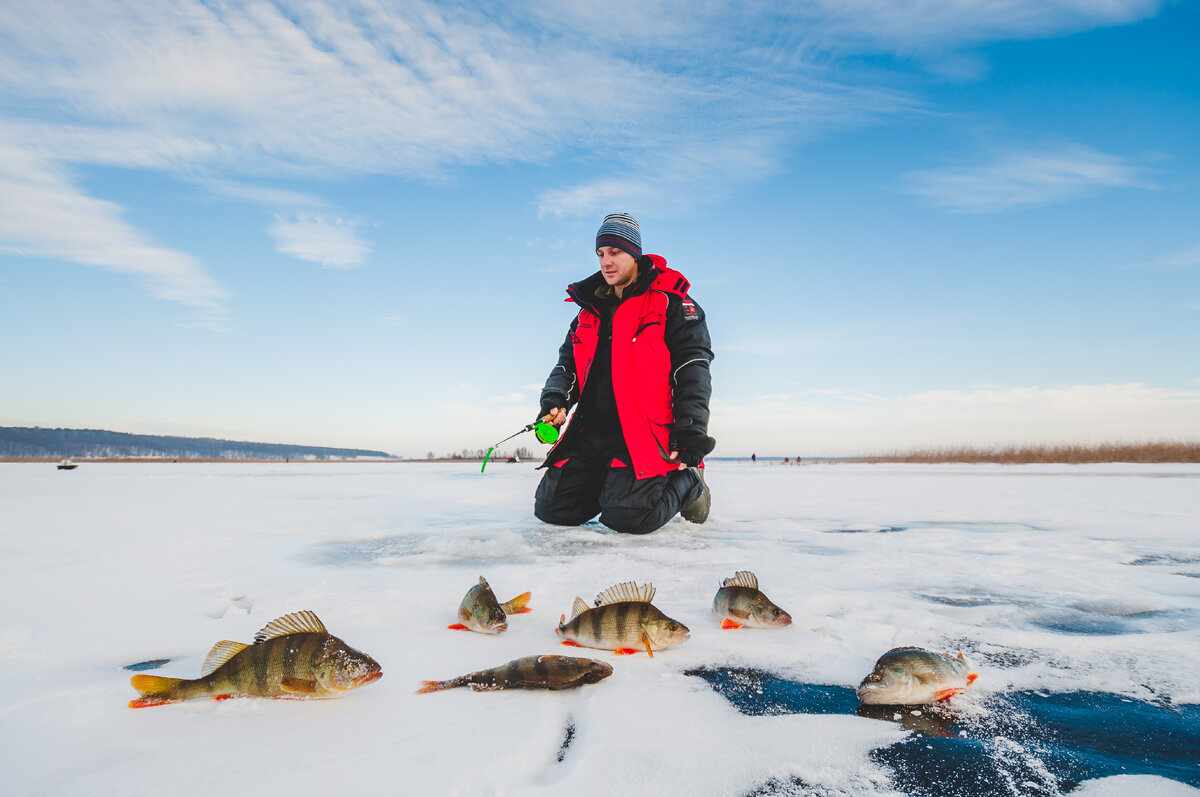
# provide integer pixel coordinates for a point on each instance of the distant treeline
(18, 442)
(1071, 453)
(522, 453)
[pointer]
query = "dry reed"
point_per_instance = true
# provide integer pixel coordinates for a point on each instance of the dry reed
(1065, 453)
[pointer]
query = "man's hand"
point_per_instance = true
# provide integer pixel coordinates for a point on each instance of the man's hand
(552, 411)
(555, 416)
(689, 445)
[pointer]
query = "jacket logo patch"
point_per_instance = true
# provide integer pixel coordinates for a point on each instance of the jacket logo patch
(690, 313)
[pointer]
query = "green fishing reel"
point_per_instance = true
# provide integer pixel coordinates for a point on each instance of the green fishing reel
(545, 432)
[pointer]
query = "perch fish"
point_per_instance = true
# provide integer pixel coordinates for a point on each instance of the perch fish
(480, 611)
(292, 657)
(623, 620)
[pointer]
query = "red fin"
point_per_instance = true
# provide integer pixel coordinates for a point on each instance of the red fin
(571, 643)
(625, 651)
(222, 697)
(727, 624)
(971, 676)
(458, 627)
(147, 702)
(431, 686)
(945, 694)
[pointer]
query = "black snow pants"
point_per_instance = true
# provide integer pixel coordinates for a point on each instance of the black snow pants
(585, 487)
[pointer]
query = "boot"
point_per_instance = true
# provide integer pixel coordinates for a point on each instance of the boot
(697, 511)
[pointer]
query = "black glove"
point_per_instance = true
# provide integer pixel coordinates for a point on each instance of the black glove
(691, 442)
(551, 401)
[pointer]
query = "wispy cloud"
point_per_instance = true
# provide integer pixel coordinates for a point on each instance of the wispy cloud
(330, 241)
(236, 91)
(43, 213)
(908, 25)
(1021, 179)
(1189, 258)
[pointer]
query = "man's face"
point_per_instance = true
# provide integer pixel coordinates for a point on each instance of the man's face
(618, 266)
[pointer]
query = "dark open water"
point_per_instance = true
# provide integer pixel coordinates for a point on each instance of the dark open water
(1023, 743)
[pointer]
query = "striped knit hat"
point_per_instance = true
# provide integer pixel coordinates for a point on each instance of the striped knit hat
(620, 230)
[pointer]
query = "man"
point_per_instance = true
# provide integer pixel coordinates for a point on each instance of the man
(635, 364)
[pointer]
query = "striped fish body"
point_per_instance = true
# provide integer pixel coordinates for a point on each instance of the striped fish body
(481, 612)
(740, 603)
(293, 657)
(913, 676)
(530, 672)
(621, 624)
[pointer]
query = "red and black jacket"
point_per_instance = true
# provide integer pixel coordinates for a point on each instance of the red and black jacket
(661, 352)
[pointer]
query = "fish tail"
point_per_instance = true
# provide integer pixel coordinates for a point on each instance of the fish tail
(518, 605)
(155, 690)
(436, 686)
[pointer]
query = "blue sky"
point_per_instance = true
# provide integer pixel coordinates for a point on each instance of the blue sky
(910, 223)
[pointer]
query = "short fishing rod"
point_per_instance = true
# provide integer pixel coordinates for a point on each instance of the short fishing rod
(545, 433)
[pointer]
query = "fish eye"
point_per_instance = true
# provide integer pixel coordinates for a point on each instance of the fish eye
(673, 626)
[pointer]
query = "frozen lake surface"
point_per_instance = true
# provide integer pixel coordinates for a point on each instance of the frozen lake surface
(1074, 592)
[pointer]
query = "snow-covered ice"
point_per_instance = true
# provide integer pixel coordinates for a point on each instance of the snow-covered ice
(1052, 580)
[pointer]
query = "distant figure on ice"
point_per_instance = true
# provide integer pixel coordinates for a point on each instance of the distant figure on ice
(635, 364)
(754, 457)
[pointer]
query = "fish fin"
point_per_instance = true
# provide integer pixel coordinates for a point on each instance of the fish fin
(625, 651)
(221, 652)
(727, 624)
(154, 690)
(571, 643)
(518, 605)
(483, 583)
(960, 656)
(486, 687)
(222, 697)
(458, 627)
(578, 608)
(626, 592)
(971, 676)
(304, 622)
(147, 702)
(946, 694)
(434, 686)
(298, 685)
(742, 578)
(646, 642)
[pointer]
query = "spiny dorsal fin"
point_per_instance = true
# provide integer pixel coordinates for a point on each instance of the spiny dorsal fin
(296, 623)
(578, 608)
(742, 578)
(220, 653)
(483, 583)
(628, 592)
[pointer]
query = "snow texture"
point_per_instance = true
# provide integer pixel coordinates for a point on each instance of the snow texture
(1049, 579)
